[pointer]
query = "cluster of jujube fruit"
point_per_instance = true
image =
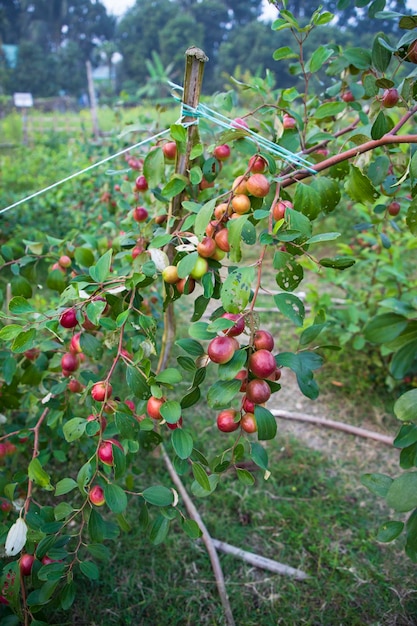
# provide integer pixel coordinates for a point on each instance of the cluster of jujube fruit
(247, 191)
(260, 368)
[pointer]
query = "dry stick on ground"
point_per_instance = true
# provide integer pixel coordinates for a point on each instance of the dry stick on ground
(208, 541)
(347, 428)
(260, 561)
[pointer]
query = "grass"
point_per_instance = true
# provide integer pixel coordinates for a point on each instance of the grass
(305, 516)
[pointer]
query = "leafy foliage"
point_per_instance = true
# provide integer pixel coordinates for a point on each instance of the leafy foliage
(89, 313)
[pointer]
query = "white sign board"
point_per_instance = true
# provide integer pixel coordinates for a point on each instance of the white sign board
(21, 99)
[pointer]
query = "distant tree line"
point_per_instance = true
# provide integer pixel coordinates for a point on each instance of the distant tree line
(54, 38)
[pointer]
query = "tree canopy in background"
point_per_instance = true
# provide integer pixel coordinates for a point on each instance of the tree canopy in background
(56, 37)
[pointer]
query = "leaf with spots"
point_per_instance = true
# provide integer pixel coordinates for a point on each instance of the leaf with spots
(236, 289)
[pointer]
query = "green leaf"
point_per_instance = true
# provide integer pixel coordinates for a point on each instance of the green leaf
(307, 201)
(96, 527)
(266, 422)
(198, 490)
(359, 187)
(196, 175)
(84, 256)
(388, 531)
(203, 217)
(290, 276)
(411, 217)
(201, 476)
(38, 474)
(94, 311)
(303, 364)
(378, 484)
(154, 166)
(403, 360)
(402, 493)
(236, 289)
(222, 392)
(405, 408)
(235, 228)
(90, 570)
(245, 477)
(171, 411)
(43, 594)
(411, 543)
(66, 598)
(329, 192)
(358, 57)
(10, 332)
(381, 57)
(285, 52)
(160, 241)
(329, 109)
(20, 286)
(74, 428)
(159, 530)
(323, 237)
(259, 455)
(65, 486)
(385, 327)
(91, 346)
(98, 551)
(116, 499)
(191, 528)
(190, 346)
(24, 341)
(191, 398)
(158, 496)
(20, 306)
(406, 436)
(319, 58)
(338, 262)
(198, 330)
(170, 376)
(380, 126)
(100, 271)
(291, 307)
(182, 442)
(137, 383)
(228, 371)
(84, 476)
(178, 133)
(186, 265)
(174, 187)
(62, 510)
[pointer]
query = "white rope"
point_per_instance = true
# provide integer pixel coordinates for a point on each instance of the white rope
(87, 169)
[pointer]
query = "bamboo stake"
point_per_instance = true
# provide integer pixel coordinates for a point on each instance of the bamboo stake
(193, 78)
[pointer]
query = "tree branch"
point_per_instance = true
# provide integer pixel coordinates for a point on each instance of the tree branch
(389, 139)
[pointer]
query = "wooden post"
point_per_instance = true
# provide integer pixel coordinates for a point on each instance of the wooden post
(193, 78)
(93, 101)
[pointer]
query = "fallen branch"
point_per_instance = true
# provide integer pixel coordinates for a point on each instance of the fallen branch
(208, 541)
(348, 428)
(260, 561)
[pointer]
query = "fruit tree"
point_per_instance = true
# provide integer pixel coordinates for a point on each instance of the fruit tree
(88, 380)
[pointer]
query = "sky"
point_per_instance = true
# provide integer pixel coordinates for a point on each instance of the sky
(118, 7)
